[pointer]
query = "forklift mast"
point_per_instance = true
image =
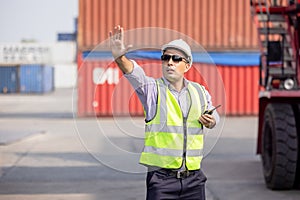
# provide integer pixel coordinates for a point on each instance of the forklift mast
(277, 23)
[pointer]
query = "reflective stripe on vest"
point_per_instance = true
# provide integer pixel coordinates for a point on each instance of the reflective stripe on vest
(165, 133)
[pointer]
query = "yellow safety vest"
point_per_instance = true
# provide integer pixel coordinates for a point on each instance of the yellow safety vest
(169, 137)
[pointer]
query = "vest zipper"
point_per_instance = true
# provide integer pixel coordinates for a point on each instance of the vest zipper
(184, 142)
(185, 132)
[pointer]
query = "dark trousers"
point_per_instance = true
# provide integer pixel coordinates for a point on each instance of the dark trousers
(162, 186)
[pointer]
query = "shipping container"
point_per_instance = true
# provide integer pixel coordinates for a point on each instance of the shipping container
(36, 78)
(215, 24)
(103, 90)
(66, 37)
(65, 75)
(8, 79)
(26, 53)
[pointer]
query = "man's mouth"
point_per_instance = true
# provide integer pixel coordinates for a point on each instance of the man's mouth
(170, 70)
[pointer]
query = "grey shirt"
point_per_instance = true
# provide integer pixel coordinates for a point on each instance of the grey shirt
(146, 90)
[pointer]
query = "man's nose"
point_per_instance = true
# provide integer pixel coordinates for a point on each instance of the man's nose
(170, 62)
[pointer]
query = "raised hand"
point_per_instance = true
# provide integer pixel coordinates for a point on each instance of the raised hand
(117, 44)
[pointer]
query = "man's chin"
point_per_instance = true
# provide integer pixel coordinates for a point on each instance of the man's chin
(171, 78)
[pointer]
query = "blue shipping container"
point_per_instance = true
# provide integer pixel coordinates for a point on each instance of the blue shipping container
(66, 37)
(36, 78)
(8, 79)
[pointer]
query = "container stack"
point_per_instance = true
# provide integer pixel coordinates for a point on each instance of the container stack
(222, 31)
(27, 78)
(24, 68)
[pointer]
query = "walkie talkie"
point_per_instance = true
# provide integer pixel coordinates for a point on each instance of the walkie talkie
(212, 110)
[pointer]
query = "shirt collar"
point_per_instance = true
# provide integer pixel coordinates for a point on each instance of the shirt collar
(185, 83)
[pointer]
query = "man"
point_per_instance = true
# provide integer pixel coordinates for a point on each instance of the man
(174, 111)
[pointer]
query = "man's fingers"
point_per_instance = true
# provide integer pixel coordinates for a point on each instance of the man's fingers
(207, 117)
(121, 33)
(110, 38)
(129, 47)
(206, 120)
(117, 42)
(117, 33)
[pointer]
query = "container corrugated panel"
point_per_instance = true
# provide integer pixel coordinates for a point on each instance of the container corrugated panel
(36, 78)
(103, 90)
(8, 79)
(241, 85)
(215, 24)
(48, 78)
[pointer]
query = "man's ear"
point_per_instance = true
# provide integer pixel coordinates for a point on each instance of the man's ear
(187, 67)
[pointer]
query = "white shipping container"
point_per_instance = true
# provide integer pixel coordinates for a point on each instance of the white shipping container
(63, 52)
(65, 75)
(38, 53)
(25, 53)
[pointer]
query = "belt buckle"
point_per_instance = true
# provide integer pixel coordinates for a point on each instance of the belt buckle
(182, 174)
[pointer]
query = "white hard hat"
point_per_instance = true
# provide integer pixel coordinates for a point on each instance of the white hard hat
(181, 45)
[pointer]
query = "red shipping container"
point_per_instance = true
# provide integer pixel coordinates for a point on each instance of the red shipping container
(215, 24)
(104, 91)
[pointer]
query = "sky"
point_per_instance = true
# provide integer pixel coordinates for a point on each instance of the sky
(39, 20)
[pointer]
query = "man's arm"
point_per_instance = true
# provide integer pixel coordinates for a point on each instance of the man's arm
(144, 86)
(119, 50)
(125, 65)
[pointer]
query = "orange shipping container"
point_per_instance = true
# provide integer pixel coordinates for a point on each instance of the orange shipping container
(215, 24)
(104, 91)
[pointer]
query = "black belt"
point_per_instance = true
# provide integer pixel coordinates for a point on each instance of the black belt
(177, 173)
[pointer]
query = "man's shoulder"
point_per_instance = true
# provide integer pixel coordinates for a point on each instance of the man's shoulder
(196, 84)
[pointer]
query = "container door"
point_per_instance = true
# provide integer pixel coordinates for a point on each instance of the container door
(8, 79)
(31, 79)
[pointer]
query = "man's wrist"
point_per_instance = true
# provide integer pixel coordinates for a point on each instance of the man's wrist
(120, 59)
(124, 64)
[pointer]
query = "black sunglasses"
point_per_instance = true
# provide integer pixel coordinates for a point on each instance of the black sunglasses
(175, 58)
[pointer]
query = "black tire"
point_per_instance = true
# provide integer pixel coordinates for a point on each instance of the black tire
(297, 117)
(279, 146)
